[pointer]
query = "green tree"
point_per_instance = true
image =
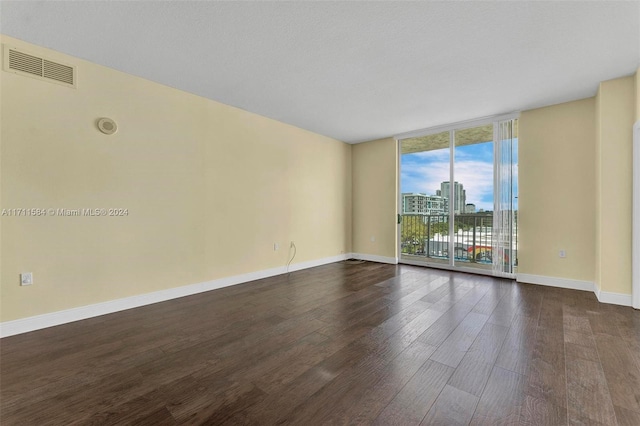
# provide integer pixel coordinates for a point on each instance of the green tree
(416, 229)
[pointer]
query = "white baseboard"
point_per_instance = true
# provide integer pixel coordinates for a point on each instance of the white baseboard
(24, 325)
(603, 296)
(556, 282)
(375, 258)
(613, 298)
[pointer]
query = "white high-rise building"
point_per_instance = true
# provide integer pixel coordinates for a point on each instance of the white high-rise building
(416, 203)
(459, 196)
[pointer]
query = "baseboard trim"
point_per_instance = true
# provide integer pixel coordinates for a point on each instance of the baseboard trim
(556, 282)
(614, 298)
(603, 296)
(38, 322)
(375, 258)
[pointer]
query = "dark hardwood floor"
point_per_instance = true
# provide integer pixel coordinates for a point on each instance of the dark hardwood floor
(337, 344)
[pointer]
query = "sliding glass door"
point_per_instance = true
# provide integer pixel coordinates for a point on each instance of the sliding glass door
(425, 219)
(458, 197)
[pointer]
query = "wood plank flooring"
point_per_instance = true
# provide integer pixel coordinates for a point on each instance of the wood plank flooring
(338, 344)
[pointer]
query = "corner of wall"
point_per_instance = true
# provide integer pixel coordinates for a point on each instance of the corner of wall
(375, 198)
(616, 102)
(637, 83)
(598, 190)
(349, 201)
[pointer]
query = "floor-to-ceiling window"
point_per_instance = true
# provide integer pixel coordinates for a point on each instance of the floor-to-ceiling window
(425, 219)
(458, 197)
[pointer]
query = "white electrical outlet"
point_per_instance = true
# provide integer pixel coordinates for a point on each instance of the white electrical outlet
(373, 239)
(26, 278)
(276, 246)
(562, 253)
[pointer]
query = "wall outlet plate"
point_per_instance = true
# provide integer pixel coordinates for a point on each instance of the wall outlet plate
(26, 278)
(562, 253)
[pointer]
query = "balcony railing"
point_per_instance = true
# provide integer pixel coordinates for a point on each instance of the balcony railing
(428, 236)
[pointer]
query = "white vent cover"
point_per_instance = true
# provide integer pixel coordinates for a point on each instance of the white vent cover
(19, 62)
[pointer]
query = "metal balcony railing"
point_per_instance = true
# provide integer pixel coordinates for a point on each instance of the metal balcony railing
(428, 236)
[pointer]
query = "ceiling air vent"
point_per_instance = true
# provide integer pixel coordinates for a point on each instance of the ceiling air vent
(23, 63)
(58, 72)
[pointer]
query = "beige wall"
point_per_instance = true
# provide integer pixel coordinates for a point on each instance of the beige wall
(557, 190)
(285, 183)
(637, 83)
(614, 153)
(209, 190)
(375, 202)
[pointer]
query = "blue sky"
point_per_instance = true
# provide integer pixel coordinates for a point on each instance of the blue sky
(424, 171)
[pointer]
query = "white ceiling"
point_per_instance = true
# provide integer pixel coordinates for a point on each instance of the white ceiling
(354, 71)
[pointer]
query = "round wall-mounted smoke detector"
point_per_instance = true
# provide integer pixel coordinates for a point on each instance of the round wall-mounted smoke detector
(107, 126)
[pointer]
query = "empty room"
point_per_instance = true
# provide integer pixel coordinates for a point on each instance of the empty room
(320, 213)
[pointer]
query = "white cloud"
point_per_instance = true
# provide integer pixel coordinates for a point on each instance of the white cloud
(475, 176)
